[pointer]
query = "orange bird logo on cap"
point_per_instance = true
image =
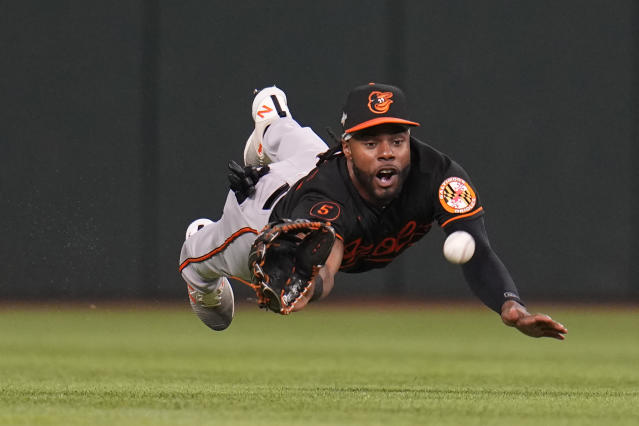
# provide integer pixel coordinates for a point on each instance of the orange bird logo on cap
(380, 102)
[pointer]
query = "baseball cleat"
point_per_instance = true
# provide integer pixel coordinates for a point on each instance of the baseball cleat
(214, 308)
(269, 105)
(196, 225)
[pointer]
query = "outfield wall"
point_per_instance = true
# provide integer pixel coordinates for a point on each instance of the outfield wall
(118, 119)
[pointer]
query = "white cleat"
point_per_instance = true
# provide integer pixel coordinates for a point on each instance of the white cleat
(269, 105)
(196, 225)
(214, 308)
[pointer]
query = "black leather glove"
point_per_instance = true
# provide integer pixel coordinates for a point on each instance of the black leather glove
(242, 180)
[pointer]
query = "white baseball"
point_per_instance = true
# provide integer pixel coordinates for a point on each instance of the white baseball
(459, 247)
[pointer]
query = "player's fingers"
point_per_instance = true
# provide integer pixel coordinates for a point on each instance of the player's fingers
(541, 330)
(552, 328)
(560, 328)
(554, 335)
(546, 321)
(553, 325)
(542, 318)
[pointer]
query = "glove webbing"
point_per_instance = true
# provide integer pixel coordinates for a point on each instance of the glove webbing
(262, 279)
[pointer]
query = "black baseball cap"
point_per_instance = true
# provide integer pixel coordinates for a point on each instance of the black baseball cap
(373, 104)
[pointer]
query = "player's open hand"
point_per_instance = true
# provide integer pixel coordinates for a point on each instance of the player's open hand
(538, 325)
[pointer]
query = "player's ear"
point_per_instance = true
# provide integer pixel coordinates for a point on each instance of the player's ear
(346, 149)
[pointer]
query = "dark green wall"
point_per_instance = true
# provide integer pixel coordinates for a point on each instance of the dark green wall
(117, 120)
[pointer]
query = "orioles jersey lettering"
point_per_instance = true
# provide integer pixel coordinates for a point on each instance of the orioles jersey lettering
(373, 237)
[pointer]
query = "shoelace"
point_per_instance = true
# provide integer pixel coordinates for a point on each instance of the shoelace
(208, 300)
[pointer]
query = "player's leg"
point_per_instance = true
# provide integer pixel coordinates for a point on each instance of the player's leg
(213, 251)
(277, 137)
(287, 141)
(210, 295)
(269, 105)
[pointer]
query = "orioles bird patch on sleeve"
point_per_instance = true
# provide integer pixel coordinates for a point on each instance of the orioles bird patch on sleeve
(456, 195)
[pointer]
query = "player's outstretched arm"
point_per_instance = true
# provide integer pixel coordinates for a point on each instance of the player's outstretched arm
(485, 273)
(535, 325)
(491, 282)
(325, 279)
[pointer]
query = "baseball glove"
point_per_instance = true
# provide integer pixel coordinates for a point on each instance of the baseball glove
(284, 260)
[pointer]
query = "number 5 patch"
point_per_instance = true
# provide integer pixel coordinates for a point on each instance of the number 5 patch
(326, 210)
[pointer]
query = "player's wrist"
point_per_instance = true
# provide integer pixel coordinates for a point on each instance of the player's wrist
(511, 304)
(512, 311)
(513, 298)
(318, 288)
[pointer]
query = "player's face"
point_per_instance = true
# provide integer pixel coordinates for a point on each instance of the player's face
(378, 162)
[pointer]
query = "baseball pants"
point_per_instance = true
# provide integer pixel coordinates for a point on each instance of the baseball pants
(221, 249)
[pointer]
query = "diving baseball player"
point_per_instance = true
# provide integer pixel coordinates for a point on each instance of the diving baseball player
(380, 190)
(214, 251)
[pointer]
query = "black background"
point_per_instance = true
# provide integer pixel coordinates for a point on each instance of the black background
(118, 118)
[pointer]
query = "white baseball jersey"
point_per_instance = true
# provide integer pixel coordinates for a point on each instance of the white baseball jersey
(221, 249)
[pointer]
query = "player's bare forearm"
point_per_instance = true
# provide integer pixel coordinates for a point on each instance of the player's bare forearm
(515, 315)
(325, 278)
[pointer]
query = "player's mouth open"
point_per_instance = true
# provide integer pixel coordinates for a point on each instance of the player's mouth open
(386, 177)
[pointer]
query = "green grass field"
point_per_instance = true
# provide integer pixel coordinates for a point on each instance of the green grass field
(365, 366)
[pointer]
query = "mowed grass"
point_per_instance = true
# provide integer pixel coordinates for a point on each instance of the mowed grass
(442, 365)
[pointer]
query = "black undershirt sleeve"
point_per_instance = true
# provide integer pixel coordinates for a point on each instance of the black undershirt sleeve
(485, 273)
(319, 288)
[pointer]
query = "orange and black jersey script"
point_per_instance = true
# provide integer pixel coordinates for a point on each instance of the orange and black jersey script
(437, 190)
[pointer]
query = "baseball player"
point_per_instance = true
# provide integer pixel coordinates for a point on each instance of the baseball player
(379, 188)
(215, 251)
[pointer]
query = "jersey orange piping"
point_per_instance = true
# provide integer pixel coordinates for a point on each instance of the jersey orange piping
(215, 251)
(461, 216)
(308, 178)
